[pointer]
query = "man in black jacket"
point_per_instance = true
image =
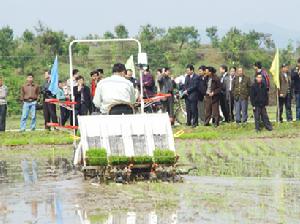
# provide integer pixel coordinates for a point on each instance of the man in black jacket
(202, 93)
(49, 109)
(167, 86)
(225, 92)
(83, 98)
(295, 76)
(191, 94)
(259, 101)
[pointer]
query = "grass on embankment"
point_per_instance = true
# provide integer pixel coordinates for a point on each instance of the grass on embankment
(35, 138)
(37, 152)
(223, 132)
(234, 131)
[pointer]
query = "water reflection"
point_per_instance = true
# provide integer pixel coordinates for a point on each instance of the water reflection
(30, 175)
(30, 170)
(151, 217)
(3, 171)
(199, 199)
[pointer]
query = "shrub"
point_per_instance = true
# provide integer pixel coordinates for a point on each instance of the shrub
(164, 156)
(142, 159)
(96, 157)
(119, 160)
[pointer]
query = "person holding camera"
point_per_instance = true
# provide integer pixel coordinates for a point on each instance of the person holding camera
(241, 91)
(49, 109)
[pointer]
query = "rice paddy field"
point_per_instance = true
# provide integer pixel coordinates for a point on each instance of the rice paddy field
(235, 176)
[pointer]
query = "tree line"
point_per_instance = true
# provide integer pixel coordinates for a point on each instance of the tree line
(175, 47)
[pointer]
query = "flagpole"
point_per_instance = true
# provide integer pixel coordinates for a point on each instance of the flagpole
(275, 70)
(278, 110)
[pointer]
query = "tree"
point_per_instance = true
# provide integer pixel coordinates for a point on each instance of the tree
(25, 53)
(245, 48)
(121, 31)
(92, 37)
(54, 42)
(28, 36)
(257, 40)
(7, 44)
(287, 54)
(149, 33)
(233, 44)
(40, 27)
(211, 32)
(183, 35)
(108, 35)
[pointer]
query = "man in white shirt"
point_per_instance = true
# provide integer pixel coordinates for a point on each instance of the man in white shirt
(115, 92)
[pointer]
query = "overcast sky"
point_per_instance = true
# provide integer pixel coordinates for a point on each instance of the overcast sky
(82, 17)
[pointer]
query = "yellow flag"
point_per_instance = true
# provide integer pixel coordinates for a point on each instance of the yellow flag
(275, 69)
(130, 65)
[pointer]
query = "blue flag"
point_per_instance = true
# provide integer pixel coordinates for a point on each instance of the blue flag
(53, 88)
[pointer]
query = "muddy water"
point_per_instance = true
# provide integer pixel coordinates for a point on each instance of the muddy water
(43, 188)
(68, 199)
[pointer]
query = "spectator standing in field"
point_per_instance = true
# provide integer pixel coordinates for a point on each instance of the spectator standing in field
(232, 75)
(75, 73)
(100, 74)
(3, 104)
(167, 86)
(285, 94)
(191, 94)
(202, 93)
(241, 92)
(29, 96)
(83, 98)
(159, 73)
(259, 101)
(259, 70)
(148, 83)
(129, 76)
(95, 78)
(225, 92)
(212, 97)
(49, 109)
(179, 81)
(296, 87)
(61, 96)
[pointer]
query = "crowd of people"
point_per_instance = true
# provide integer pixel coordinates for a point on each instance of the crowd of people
(209, 97)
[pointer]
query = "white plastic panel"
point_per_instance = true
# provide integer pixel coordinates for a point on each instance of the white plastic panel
(128, 135)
